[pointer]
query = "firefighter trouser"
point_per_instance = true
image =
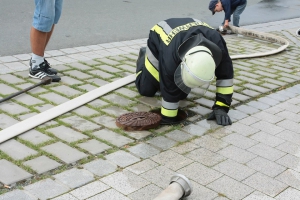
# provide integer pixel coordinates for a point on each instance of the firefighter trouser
(144, 85)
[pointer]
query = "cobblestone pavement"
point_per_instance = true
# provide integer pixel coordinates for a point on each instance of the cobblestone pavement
(84, 155)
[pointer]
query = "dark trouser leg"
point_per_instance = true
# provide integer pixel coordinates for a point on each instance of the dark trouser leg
(236, 14)
(142, 82)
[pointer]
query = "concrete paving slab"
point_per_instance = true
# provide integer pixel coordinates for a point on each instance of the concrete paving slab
(53, 97)
(125, 182)
(28, 100)
(85, 111)
(111, 193)
(100, 167)
(162, 142)
(112, 137)
(94, 146)
(65, 196)
(143, 150)
(35, 137)
(67, 134)
(9, 78)
(234, 170)
(266, 167)
(11, 173)
(16, 150)
(179, 136)
(80, 124)
(17, 194)
(67, 91)
(237, 154)
(265, 184)
(13, 108)
(75, 178)
(205, 157)
(231, 188)
(210, 143)
(138, 135)
(89, 190)
(171, 160)
(147, 193)
(115, 111)
(194, 129)
(200, 173)
(239, 140)
(46, 189)
(64, 152)
(116, 99)
(141, 167)
(42, 164)
(107, 121)
(122, 158)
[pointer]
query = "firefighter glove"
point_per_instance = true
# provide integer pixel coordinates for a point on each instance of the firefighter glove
(220, 116)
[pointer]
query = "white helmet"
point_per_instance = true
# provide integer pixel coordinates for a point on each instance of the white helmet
(196, 70)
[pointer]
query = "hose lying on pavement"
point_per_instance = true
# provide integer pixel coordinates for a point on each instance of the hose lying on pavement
(262, 36)
(52, 113)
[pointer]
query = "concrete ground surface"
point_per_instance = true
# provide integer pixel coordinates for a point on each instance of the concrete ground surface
(84, 155)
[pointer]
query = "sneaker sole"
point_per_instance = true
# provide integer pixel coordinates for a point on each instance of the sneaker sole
(54, 79)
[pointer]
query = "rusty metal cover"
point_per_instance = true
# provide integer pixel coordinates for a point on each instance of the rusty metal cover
(138, 121)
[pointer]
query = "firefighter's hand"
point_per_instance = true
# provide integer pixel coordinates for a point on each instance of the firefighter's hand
(169, 120)
(220, 116)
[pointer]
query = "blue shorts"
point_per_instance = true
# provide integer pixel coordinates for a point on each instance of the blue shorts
(47, 13)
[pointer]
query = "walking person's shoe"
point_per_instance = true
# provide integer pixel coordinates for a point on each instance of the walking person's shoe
(54, 71)
(49, 69)
(42, 70)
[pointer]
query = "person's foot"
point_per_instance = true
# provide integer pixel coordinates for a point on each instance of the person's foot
(41, 71)
(54, 71)
(48, 67)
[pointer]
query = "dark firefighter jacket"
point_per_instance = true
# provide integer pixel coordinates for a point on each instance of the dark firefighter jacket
(162, 60)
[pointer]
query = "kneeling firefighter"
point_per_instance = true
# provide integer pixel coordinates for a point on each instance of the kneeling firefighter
(182, 54)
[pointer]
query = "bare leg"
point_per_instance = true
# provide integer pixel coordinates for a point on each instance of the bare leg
(38, 41)
(49, 36)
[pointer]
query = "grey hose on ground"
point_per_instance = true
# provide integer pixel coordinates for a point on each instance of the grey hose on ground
(261, 36)
(61, 109)
(179, 187)
(173, 192)
(52, 113)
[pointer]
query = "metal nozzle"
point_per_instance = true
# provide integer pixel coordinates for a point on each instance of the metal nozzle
(46, 80)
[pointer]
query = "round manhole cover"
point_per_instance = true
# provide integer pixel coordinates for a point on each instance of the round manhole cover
(138, 121)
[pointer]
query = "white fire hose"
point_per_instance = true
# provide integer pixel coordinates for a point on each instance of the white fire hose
(61, 109)
(179, 187)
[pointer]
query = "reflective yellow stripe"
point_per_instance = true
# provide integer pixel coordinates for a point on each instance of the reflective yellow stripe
(225, 90)
(219, 103)
(138, 73)
(151, 69)
(167, 38)
(160, 32)
(169, 113)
